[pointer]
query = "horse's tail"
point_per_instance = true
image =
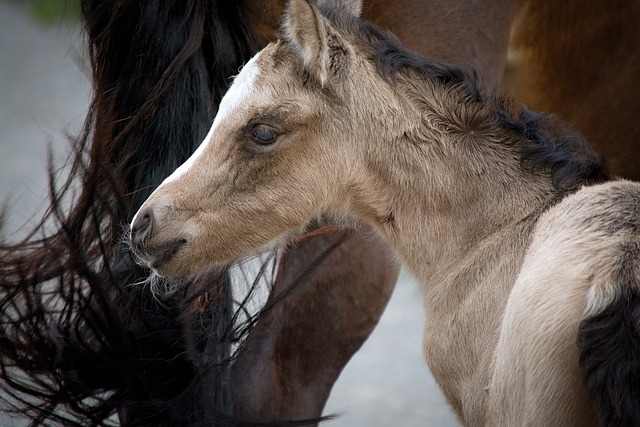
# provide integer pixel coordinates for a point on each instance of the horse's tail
(79, 340)
(609, 343)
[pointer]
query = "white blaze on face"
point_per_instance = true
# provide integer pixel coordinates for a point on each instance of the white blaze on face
(239, 91)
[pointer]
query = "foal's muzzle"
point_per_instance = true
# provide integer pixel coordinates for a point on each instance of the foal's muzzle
(146, 246)
(141, 229)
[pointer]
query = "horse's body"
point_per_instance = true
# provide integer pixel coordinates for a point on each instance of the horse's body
(495, 209)
(576, 59)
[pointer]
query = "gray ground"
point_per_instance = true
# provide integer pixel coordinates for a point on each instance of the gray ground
(44, 94)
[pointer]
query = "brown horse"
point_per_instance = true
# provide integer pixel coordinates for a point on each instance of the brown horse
(494, 208)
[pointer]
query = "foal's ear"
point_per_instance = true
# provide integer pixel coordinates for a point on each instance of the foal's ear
(321, 49)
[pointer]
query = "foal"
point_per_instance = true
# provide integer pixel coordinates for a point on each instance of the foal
(489, 206)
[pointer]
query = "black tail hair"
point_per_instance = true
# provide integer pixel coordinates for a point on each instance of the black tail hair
(609, 344)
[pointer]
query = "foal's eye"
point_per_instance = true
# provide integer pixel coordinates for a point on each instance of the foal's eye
(263, 134)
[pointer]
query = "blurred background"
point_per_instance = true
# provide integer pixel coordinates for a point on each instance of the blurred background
(45, 91)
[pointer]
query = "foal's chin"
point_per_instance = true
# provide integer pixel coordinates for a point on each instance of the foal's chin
(188, 262)
(171, 267)
(174, 268)
(194, 251)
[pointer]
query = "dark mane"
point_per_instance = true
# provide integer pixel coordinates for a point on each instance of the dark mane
(548, 144)
(551, 145)
(78, 342)
(391, 56)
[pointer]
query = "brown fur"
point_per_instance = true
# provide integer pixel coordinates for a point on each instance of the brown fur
(304, 358)
(478, 30)
(476, 197)
(580, 60)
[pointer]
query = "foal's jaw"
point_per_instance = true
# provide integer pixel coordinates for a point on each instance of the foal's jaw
(179, 243)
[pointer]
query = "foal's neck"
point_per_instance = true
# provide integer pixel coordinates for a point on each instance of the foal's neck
(452, 198)
(434, 240)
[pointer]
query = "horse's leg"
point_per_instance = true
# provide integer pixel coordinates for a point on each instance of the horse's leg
(294, 354)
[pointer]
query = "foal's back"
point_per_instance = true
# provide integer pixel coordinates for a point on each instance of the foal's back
(579, 287)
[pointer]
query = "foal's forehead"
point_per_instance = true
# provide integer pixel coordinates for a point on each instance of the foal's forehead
(239, 91)
(245, 82)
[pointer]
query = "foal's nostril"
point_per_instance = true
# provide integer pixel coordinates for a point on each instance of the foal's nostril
(142, 227)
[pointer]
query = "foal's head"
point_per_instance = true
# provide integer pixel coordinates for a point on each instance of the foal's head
(286, 145)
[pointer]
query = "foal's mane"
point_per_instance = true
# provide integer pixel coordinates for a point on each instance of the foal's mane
(547, 144)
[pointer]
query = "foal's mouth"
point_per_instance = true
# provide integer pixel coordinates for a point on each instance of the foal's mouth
(156, 255)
